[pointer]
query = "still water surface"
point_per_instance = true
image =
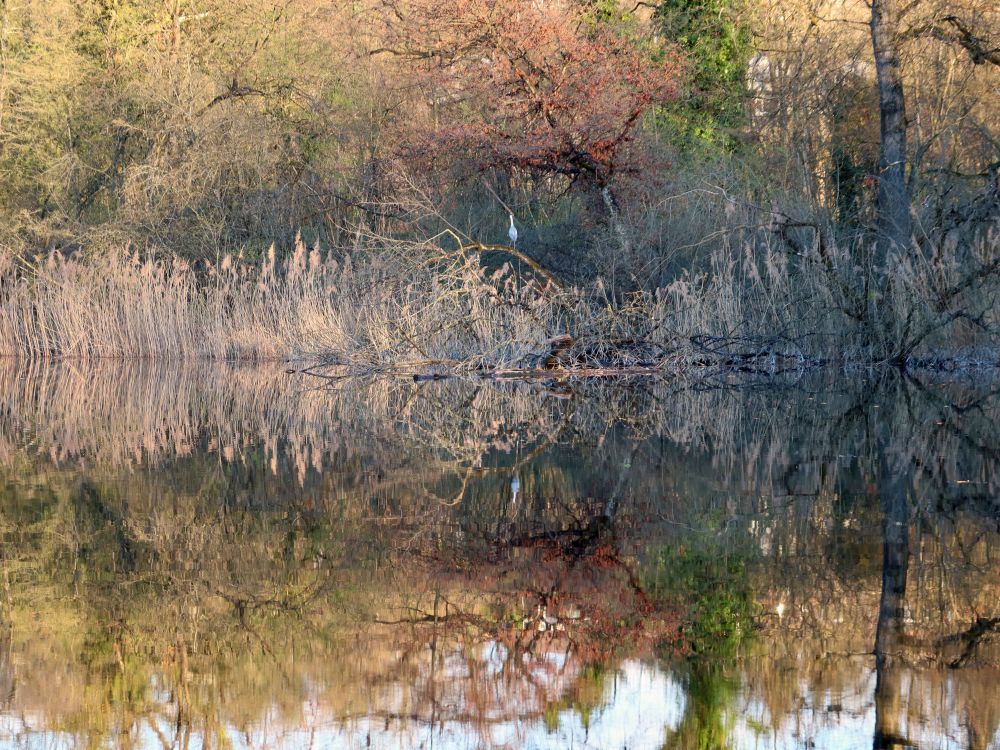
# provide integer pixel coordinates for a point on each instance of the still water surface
(242, 557)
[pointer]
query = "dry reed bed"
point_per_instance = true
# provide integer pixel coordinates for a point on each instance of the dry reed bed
(415, 305)
(388, 309)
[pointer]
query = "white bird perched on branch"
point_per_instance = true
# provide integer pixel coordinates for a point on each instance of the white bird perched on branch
(512, 232)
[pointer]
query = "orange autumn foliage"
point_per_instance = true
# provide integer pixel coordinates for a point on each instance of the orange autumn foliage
(521, 84)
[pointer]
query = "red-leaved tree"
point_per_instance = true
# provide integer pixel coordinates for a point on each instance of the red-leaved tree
(527, 84)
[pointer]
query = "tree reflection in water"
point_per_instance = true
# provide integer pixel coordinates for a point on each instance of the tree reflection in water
(239, 556)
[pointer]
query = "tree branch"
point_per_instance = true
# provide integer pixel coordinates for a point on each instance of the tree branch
(235, 91)
(960, 33)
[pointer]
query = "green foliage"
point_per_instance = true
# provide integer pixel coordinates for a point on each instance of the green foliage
(711, 584)
(607, 12)
(718, 46)
(707, 723)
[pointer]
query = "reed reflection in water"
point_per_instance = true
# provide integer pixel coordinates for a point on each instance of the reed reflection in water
(240, 556)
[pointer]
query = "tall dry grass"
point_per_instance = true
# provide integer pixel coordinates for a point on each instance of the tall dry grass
(762, 297)
(382, 309)
(408, 303)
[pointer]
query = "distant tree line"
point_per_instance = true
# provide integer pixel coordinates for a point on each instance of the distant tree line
(199, 126)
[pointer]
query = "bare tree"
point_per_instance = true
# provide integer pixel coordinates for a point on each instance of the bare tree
(894, 222)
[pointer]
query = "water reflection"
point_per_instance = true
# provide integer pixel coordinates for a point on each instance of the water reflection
(237, 556)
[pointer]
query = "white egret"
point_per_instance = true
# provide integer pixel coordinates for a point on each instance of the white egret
(515, 486)
(512, 232)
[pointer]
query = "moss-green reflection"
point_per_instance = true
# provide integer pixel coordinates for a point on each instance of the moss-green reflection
(710, 579)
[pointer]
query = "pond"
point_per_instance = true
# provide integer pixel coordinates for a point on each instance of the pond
(240, 556)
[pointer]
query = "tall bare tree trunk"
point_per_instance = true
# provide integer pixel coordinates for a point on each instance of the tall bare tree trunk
(894, 222)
